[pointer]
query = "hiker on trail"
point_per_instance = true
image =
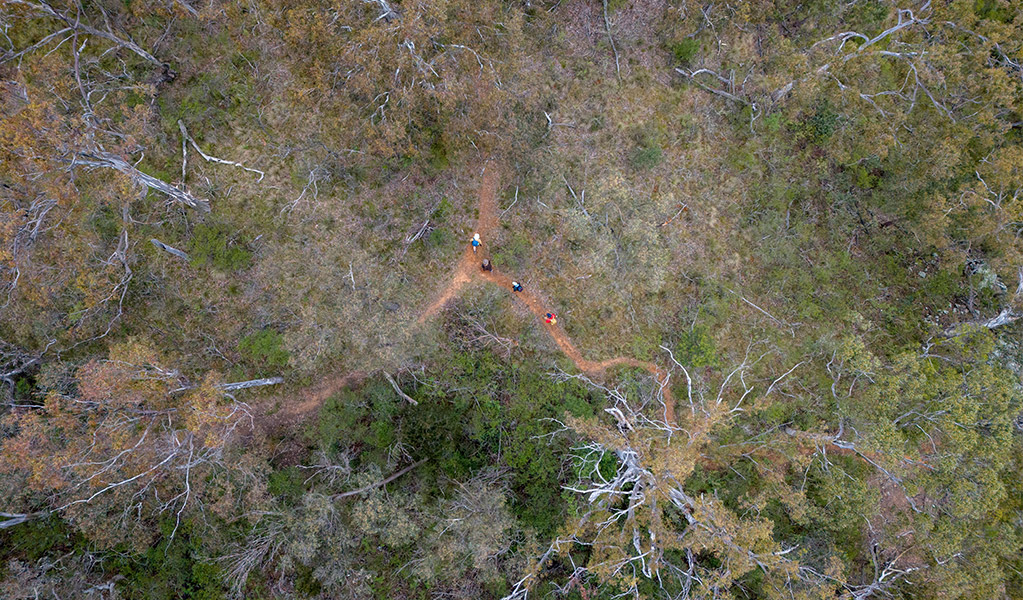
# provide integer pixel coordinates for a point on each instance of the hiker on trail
(516, 286)
(486, 266)
(551, 318)
(476, 243)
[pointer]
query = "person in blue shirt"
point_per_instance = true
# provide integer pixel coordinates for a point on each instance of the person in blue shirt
(476, 243)
(516, 286)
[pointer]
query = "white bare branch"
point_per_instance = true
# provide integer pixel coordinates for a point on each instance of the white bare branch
(99, 158)
(208, 158)
(169, 249)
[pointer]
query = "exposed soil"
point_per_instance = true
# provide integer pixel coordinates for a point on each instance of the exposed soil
(300, 405)
(469, 268)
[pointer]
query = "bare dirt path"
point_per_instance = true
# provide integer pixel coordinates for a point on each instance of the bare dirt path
(468, 264)
(299, 405)
(469, 268)
(296, 410)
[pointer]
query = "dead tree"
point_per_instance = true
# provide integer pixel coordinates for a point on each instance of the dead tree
(243, 385)
(184, 155)
(627, 514)
(397, 390)
(1008, 315)
(239, 385)
(169, 249)
(12, 519)
(386, 12)
(72, 20)
(97, 158)
(122, 441)
(729, 83)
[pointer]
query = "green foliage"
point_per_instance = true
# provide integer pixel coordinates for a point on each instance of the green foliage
(869, 15)
(106, 223)
(648, 153)
(288, 484)
(306, 583)
(867, 173)
(23, 388)
(685, 50)
(993, 10)
(439, 238)
(169, 570)
(696, 348)
(206, 582)
(213, 95)
(537, 464)
(443, 210)
(360, 416)
(647, 157)
(819, 126)
(265, 348)
(37, 538)
(773, 122)
(211, 245)
(513, 255)
(438, 155)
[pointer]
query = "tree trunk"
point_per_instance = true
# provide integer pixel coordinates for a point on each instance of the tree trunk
(169, 249)
(12, 519)
(112, 161)
(241, 385)
(1007, 316)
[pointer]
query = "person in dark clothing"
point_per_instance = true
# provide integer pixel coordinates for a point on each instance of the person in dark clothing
(516, 286)
(486, 266)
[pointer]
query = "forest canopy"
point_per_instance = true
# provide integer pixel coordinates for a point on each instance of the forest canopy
(763, 340)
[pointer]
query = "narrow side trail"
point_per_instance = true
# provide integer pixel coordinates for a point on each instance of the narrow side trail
(305, 402)
(469, 268)
(468, 264)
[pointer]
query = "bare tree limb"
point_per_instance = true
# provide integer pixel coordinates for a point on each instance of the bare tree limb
(12, 519)
(397, 389)
(691, 75)
(607, 27)
(380, 483)
(112, 161)
(241, 385)
(386, 12)
(169, 249)
(76, 24)
(208, 158)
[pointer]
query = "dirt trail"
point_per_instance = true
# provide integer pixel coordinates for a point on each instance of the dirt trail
(308, 400)
(469, 267)
(467, 270)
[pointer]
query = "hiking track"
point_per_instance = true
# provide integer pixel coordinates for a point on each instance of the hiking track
(469, 268)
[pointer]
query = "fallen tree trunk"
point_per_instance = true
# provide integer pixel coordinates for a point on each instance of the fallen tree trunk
(112, 161)
(12, 519)
(397, 389)
(377, 484)
(169, 249)
(241, 385)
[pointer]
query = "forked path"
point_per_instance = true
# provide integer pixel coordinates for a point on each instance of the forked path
(469, 267)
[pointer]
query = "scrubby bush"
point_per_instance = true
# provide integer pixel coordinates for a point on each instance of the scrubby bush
(265, 348)
(210, 245)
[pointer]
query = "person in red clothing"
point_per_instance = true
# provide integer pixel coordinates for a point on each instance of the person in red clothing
(551, 318)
